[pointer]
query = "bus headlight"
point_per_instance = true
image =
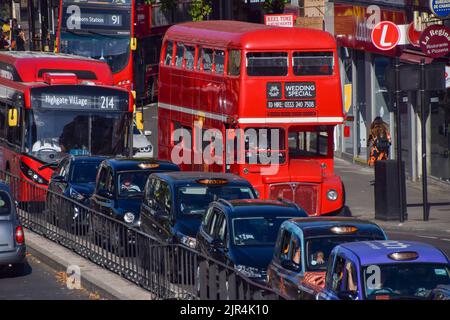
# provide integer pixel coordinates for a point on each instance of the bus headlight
(128, 217)
(332, 195)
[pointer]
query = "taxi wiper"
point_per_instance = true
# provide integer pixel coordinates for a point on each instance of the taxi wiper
(49, 165)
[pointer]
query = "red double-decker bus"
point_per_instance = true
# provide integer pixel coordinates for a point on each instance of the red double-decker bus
(275, 83)
(125, 33)
(99, 29)
(55, 104)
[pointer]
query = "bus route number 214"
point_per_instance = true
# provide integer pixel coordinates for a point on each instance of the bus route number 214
(107, 103)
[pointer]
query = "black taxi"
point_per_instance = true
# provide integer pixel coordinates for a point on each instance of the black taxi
(174, 202)
(302, 249)
(119, 188)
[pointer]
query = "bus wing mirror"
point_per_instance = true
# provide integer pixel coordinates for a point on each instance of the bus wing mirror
(13, 118)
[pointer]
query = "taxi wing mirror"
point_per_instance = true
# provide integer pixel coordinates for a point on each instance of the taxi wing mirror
(13, 117)
(59, 179)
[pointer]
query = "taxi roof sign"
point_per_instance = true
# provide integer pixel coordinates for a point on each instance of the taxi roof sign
(148, 165)
(402, 256)
(344, 229)
(212, 181)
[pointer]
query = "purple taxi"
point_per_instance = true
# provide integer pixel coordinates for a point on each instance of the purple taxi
(384, 270)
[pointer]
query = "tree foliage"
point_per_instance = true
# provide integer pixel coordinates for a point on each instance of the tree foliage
(200, 9)
(274, 6)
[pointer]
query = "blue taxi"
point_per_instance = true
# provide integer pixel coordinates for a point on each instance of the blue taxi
(384, 270)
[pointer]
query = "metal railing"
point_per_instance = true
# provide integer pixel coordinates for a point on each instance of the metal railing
(168, 271)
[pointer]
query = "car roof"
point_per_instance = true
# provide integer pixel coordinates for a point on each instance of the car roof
(191, 177)
(376, 252)
(257, 207)
(81, 158)
(321, 226)
(124, 164)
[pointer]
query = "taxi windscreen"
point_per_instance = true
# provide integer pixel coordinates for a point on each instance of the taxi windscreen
(404, 280)
(132, 183)
(84, 172)
(195, 200)
(318, 249)
(256, 231)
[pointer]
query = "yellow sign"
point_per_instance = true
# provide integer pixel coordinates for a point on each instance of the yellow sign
(347, 96)
(138, 119)
(12, 118)
(5, 28)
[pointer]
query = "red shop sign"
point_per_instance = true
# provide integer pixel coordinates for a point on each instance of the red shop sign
(435, 41)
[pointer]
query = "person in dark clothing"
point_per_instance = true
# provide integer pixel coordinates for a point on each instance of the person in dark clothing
(4, 44)
(20, 41)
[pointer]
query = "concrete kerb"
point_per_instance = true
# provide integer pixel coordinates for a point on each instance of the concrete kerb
(93, 278)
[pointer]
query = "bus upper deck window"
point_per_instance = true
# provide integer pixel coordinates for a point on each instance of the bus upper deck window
(219, 61)
(189, 56)
(168, 53)
(234, 62)
(179, 55)
(267, 64)
(313, 63)
(207, 59)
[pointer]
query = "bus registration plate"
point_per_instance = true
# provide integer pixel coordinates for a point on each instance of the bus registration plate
(291, 104)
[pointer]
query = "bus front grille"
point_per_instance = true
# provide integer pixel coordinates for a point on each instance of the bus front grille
(306, 195)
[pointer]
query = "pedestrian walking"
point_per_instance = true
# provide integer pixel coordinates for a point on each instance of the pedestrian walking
(20, 41)
(379, 141)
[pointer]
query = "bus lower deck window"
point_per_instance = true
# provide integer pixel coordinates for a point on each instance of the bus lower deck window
(267, 64)
(312, 63)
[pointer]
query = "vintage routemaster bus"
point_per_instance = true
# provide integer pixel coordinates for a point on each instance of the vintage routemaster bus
(55, 104)
(230, 75)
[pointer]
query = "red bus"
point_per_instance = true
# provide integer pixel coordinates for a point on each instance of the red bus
(55, 104)
(99, 29)
(127, 34)
(229, 75)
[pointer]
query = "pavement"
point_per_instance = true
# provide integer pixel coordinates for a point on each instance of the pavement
(360, 199)
(94, 278)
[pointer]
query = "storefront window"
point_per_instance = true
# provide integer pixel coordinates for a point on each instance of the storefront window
(440, 137)
(381, 100)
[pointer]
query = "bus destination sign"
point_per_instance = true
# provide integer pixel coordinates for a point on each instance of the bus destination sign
(79, 102)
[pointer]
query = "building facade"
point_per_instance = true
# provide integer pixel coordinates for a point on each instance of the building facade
(366, 95)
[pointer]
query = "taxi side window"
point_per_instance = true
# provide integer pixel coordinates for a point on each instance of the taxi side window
(163, 196)
(110, 183)
(285, 245)
(338, 274)
(350, 280)
(169, 53)
(209, 229)
(102, 179)
(64, 168)
(207, 218)
(296, 255)
(219, 228)
(149, 190)
(222, 233)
